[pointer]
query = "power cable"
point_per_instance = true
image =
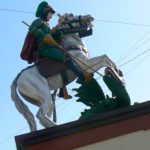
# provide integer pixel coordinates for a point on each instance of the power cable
(16, 11)
(18, 131)
(99, 20)
(65, 106)
(143, 59)
(130, 50)
(134, 58)
(121, 22)
(136, 48)
(72, 118)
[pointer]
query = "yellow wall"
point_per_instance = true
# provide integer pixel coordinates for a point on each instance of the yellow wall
(134, 141)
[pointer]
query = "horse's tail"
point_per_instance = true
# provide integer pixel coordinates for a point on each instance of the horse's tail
(21, 107)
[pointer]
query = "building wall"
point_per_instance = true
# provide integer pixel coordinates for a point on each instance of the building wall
(134, 141)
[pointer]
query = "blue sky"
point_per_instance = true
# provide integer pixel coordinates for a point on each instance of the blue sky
(119, 28)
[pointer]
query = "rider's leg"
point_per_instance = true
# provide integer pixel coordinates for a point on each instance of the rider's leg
(83, 57)
(81, 75)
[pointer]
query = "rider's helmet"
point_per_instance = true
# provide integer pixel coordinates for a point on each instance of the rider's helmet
(43, 9)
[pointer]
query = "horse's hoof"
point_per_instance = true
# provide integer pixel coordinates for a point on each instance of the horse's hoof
(48, 124)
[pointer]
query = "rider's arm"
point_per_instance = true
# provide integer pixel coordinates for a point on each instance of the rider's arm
(56, 34)
(48, 39)
(45, 37)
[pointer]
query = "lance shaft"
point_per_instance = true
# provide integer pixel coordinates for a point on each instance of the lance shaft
(65, 51)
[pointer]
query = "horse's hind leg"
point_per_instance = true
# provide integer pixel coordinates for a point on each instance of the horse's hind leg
(46, 107)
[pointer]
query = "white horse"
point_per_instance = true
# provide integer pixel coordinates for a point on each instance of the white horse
(36, 89)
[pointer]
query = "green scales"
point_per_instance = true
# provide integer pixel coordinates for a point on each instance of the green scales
(91, 94)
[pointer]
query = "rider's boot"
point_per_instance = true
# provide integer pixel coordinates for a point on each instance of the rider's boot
(84, 76)
(87, 76)
(64, 93)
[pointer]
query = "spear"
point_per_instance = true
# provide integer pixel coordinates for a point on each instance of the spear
(65, 51)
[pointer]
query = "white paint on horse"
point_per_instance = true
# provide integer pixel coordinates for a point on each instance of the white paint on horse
(37, 90)
(80, 50)
(96, 62)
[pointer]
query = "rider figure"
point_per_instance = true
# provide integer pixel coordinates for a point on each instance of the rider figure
(47, 47)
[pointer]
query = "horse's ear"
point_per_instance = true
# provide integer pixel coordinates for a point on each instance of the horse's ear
(59, 15)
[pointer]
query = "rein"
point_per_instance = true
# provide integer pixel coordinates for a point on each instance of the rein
(73, 30)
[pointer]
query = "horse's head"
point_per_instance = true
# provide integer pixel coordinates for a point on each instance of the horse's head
(68, 21)
(75, 21)
(73, 28)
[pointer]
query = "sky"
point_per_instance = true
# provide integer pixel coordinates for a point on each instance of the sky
(121, 30)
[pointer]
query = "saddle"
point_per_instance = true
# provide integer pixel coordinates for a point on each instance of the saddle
(48, 67)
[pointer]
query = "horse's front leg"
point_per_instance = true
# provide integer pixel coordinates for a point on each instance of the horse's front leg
(108, 61)
(95, 63)
(113, 65)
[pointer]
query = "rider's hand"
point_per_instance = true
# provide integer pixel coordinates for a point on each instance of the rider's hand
(54, 29)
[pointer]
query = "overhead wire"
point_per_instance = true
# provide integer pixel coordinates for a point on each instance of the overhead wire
(133, 47)
(137, 64)
(10, 136)
(134, 58)
(121, 22)
(99, 20)
(16, 11)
